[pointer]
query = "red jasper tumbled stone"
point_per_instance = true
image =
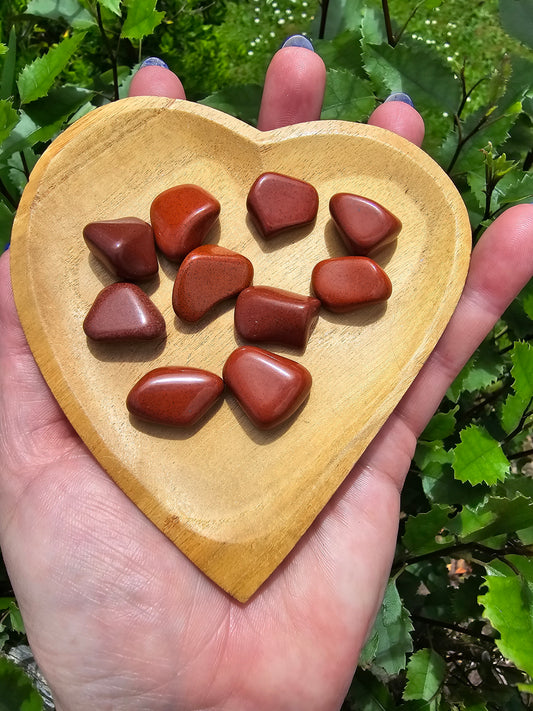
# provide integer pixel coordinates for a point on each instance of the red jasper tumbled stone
(174, 395)
(208, 275)
(279, 202)
(264, 314)
(363, 224)
(125, 246)
(344, 283)
(123, 312)
(181, 218)
(269, 387)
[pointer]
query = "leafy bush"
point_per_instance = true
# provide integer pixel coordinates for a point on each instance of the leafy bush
(456, 626)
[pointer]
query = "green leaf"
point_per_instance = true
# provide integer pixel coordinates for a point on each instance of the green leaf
(69, 10)
(482, 370)
(341, 15)
(429, 531)
(141, 19)
(493, 517)
(373, 30)
(370, 694)
(7, 83)
(240, 101)
(112, 5)
(390, 639)
(525, 688)
(8, 118)
(522, 372)
(479, 458)
(491, 123)
(7, 216)
(36, 78)
(44, 118)
(438, 481)
(440, 426)
(508, 606)
(347, 96)
(343, 52)
(398, 69)
(425, 675)
(514, 188)
(16, 690)
(517, 19)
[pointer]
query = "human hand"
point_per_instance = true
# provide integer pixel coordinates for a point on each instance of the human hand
(117, 617)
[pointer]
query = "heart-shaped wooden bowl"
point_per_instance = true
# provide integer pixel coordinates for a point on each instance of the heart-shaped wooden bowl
(234, 499)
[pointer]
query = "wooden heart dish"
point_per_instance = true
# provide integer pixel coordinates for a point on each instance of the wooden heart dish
(233, 498)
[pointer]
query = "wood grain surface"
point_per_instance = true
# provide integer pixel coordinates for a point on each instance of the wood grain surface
(234, 499)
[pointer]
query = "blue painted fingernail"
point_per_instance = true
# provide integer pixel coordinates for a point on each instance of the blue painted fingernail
(298, 41)
(154, 62)
(400, 96)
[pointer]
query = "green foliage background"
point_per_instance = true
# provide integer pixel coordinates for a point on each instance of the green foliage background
(455, 630)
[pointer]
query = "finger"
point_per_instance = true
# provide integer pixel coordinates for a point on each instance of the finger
(294, 86)
(154, 78)
(398, 114)
(501, 265)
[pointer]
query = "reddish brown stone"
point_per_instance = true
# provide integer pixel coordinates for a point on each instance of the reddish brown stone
(181, 218)
(264, 314)
(125, 247)
(123, 312)
(208, 275)
(174, 395)
(363, 224)
(278, 202)
(269, 387)
(345, 283)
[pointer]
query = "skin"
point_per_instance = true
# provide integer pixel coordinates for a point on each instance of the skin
(119, 619)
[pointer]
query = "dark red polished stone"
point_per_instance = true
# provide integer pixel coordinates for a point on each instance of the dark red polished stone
(123, 312)
(269, 387)
(345, 283)
(363, 224)
(181, 218)
(278, 202)
(208, 275)
(264, 314)
(176, 396)
(125, 247)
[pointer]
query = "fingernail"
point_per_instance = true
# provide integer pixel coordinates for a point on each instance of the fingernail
(298, 41)
(400, 96)
(154, 62)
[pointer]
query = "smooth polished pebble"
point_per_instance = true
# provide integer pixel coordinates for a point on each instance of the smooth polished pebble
(345, 283)
(279, 202)
(363, 224)
(123, 312)
(265, 314)
(174, 395)
(125, 246)
(268, 387)
(208, 275)
(181, 218)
